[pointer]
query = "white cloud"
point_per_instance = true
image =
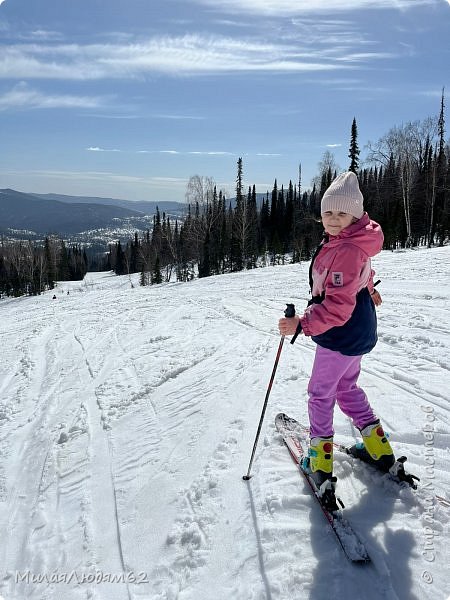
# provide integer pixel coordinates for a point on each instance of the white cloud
(178, 117)
(172, 152)
(110, 116)
(93, 176)
(203, 153)
(22, 96)
(45, 35)
(364, 56)
(97, 149)
(176, 180)
(296, 7)
(177, 56)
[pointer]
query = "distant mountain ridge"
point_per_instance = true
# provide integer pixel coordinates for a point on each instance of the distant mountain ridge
(72, 215)
(141, 206)
(85, 219)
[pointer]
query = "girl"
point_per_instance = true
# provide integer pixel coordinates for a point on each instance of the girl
(341, 319)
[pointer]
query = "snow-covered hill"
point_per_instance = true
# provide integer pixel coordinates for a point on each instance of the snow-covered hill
(127, 419)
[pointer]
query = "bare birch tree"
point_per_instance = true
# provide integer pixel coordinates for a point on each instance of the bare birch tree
(405, 144)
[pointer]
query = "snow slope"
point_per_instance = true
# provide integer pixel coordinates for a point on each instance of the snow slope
(127, 419)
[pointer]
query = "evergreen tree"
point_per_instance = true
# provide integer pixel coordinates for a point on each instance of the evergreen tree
(156, 233)
(289, 218)
(353, 153)
(204, 265)
(252, 232)
(222, 228)
(240, 222)
(134, 254)
(264, 225)
(274, 218)
(156, 276)
(325, 182)
(49, 265)
(440, 218)
(5, 284)
(119, 268)
(143, 279)
(63, 264)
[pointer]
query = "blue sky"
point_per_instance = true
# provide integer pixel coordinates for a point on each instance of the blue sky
(130, 99)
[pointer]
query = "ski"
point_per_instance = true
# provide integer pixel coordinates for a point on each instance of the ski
(293, 436)
(404, 479)
(396, 473)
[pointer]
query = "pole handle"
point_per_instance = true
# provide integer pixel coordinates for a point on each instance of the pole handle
(289, 311)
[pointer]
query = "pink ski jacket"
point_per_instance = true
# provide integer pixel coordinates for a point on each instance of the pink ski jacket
(341, 315)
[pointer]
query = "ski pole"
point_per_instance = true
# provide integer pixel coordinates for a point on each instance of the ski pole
(289, 313)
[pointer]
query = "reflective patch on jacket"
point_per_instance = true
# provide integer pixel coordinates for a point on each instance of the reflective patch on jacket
(337, 278)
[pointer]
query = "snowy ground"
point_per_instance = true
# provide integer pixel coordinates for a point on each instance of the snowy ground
(127, 419)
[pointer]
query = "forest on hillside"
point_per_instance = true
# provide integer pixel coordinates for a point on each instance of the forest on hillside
(405, 182)
(27, 268)
(406, 189)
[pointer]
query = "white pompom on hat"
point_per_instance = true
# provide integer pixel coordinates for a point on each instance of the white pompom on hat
(344, 195)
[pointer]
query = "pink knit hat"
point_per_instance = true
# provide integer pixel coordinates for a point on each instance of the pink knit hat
(344, 195)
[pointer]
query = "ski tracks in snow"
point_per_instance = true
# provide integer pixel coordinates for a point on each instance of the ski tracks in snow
(63, 508)
(127, 421)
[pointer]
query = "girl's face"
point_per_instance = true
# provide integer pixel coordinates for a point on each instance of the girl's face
(335, 221)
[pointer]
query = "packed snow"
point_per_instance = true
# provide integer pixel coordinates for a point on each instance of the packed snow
(128, 416)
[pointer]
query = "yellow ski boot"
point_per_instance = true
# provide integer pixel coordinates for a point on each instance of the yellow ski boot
(319, 467)
(375, 449)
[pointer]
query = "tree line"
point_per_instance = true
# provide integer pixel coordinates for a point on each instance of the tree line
(405, 182)
(406, 188)
(219, 236)
(27, 268)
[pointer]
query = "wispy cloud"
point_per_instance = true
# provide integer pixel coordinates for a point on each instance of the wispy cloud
(22, 96)
(193, 54)
(110, 116)
(234, 23)
(290, 7)
(436, 93)
(333, 145)
(328, 32)
(93, 176)
(365, 56)
(178, 117)
(11, 33)
(173, 152)
(202, 153)
(44, 35)
(97, 149)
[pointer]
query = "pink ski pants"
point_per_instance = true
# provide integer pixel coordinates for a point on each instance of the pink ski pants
(333, 379)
